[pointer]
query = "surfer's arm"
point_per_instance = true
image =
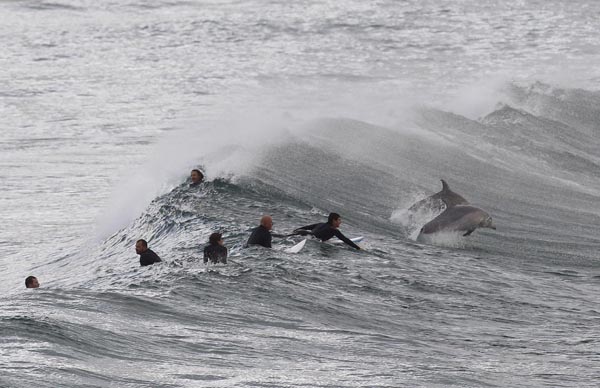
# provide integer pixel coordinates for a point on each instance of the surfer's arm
(304, 230)
(345, 239)
(307, 227)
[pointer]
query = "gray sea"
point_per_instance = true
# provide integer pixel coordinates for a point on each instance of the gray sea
(298, 109)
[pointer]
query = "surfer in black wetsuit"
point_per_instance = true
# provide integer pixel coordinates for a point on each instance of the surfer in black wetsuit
(215, 250)
(147, 255)
(261, 235)
(325, 231)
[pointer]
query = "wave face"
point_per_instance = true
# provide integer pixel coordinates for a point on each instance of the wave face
(330, 308)
(335, 107)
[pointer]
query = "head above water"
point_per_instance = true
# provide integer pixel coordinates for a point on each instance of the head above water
(267, 222)
(334, 220)
(141, 246)
(196, 176)
(31, 282)
(215, 239)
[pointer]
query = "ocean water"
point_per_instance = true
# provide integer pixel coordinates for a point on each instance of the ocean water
(298, 109)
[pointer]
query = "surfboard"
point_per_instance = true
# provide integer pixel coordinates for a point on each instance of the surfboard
(296, 248)
(353, 239)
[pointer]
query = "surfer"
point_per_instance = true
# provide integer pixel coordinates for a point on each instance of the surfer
(325, 231)
(31, 282)
(197, 177)
(215, 250)
(147, 255)
(261, 235)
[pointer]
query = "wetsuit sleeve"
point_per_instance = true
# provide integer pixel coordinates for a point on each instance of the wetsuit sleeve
(205, 255)
(345, 239)
(279, 235)
(308, 227)
(304, 230)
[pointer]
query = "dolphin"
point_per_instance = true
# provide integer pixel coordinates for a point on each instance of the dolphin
(457, 215)
(439, 201)
(459, 218)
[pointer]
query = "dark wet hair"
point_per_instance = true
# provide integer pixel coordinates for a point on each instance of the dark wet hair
(144, 243)
(332, 217)
(29, 280)
(215, 238)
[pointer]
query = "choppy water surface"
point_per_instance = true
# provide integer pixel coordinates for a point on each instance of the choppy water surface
(297, 110)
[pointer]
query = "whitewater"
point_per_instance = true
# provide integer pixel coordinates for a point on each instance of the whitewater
(299, 109)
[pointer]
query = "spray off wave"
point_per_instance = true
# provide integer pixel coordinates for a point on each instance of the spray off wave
(521, 166)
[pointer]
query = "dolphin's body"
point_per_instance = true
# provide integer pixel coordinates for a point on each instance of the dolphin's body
(458, 216)
(439, 201)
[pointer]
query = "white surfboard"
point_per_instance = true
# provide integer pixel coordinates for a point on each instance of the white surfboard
(353, 239)
(296, 248)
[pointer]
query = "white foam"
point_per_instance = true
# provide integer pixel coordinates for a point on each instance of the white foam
(413, 221)
(444, 239)
(226, 149)
(479, 98)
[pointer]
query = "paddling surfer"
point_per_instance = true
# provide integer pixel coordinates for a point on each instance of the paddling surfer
(327, 230)
(261, 235)
(147, 255)
(215, 251)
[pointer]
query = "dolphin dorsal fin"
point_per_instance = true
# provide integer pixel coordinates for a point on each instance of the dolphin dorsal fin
(445, 186)
(449, 197)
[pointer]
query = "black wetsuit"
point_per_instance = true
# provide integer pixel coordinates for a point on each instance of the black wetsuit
(149, 258)
(324, 232)
(260, 236)
(216, 253)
